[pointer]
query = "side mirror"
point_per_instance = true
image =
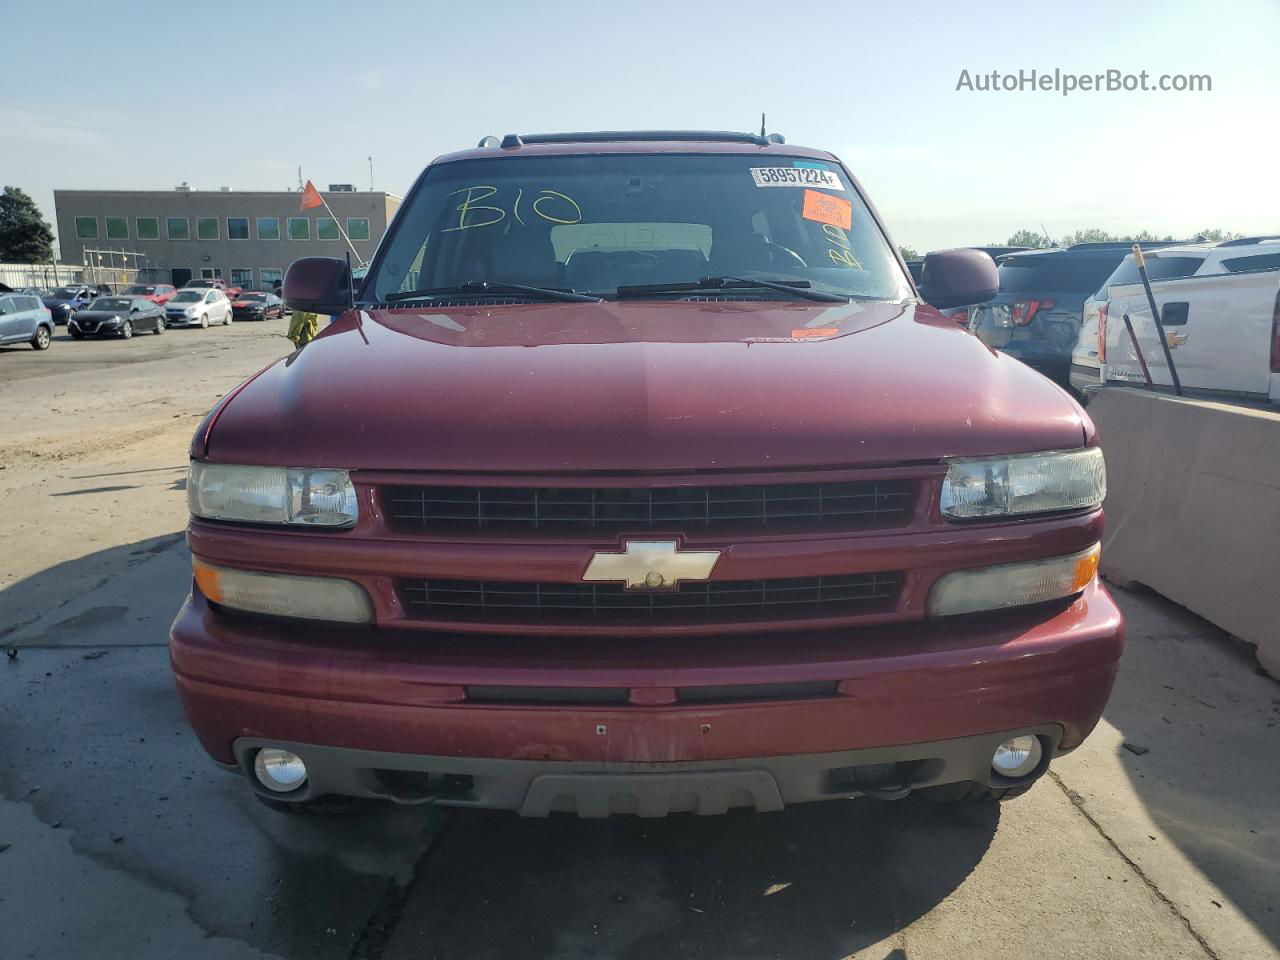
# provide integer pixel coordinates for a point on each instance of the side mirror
(958, 278)
(318, 285)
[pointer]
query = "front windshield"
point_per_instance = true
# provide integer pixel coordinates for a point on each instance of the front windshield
(111, 303)
(594, 223)
(187, 296)
(65, 293)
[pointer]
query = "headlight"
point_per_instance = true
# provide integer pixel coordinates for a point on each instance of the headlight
(1012, 584)
(1029, 483)
(281, 595)
(324, 498)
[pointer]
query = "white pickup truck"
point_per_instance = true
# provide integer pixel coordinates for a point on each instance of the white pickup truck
(1222, 323)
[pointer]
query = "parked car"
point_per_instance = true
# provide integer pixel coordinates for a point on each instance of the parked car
(649, 501)
(117, 316)
(1220, 307)
(40, 292)
(214, 284)
(198, 306)
(65, 301)
(1039, 311)
(257, 305)
(961, 314)
(24, 319)
(1164, 264)
(157, 293)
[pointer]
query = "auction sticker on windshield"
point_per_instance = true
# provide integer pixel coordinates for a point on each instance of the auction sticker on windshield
(795, 177)
(824, 208)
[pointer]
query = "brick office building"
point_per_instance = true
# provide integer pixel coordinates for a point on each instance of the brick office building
(247, 238)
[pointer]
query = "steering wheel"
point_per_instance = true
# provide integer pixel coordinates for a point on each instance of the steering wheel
(783, 256)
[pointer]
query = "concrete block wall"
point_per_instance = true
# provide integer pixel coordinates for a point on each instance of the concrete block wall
(1193, 508)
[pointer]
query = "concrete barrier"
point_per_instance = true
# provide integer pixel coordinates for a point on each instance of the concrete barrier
(1193, 508)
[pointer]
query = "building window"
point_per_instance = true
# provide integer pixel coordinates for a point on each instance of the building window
(210, 273)
(358, 228)
(237, 228)
(87, 228)
(207, 228)
(268, 228)
(271, 277)
(117, 228)
(327, 229)
(299, 228)
(148, 228)
(178, 228)
(242, 277)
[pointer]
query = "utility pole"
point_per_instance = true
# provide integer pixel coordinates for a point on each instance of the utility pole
(371, 174)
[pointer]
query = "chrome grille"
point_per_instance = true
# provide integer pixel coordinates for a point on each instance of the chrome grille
(714, 600)
(858, 504)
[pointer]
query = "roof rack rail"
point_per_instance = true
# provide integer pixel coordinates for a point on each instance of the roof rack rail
(1102, 245)
(1248, 241)
(513, 140)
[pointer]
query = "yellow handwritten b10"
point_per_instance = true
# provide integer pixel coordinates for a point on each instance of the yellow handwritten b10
(550, 205)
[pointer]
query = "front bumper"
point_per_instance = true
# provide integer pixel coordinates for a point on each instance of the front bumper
(931, 699)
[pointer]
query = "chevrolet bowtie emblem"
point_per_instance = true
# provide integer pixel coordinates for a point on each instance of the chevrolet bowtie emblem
(652, 565)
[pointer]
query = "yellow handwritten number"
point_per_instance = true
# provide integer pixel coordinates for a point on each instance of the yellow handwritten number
(550, 195)
(468, 207)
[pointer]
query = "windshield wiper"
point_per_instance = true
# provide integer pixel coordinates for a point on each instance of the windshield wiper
(799, 287)
(492, 286)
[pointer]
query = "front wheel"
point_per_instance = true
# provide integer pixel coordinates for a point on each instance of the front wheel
(126, 330)
(204, 321)
(159, 326)
(76, 335)
(42, 338)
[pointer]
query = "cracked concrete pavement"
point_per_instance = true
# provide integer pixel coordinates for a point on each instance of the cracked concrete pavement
(119, 839)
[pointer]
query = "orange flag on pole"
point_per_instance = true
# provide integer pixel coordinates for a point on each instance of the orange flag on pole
(310, 198)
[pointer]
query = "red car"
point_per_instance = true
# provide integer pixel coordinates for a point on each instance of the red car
(157, 293)
(215, 284)
(638, 476)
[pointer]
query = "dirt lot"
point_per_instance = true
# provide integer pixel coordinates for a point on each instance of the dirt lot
(1159, 838)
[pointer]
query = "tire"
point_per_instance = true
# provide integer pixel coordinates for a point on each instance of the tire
(204, 321)
(42, 338)
(126, 330)
(226, 321)
(76, 335)
(967, 791)
(159, 326)
(330, 806)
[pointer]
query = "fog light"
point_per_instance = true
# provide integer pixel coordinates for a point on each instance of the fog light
(1017, 757)
(279, 770)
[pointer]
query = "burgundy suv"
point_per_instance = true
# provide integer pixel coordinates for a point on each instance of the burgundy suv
(637, 476)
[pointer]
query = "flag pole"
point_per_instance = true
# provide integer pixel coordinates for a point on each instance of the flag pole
(338, 224)
(334, 217)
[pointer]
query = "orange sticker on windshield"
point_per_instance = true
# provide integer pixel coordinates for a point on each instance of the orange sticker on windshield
(827, 208)
(814, 332)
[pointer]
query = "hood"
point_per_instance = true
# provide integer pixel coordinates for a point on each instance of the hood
(639, 386)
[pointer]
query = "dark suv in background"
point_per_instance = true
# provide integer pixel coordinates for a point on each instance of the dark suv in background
(1036, 317)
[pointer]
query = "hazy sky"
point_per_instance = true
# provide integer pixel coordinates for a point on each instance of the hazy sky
(135, 95)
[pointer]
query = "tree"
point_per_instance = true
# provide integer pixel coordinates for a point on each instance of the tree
(1088, 235)
(1026, 238)
(24, 235)
(1217, 236)
(908, 253)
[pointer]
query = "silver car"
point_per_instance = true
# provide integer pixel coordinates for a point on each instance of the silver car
(24, 319)
(197, 306)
